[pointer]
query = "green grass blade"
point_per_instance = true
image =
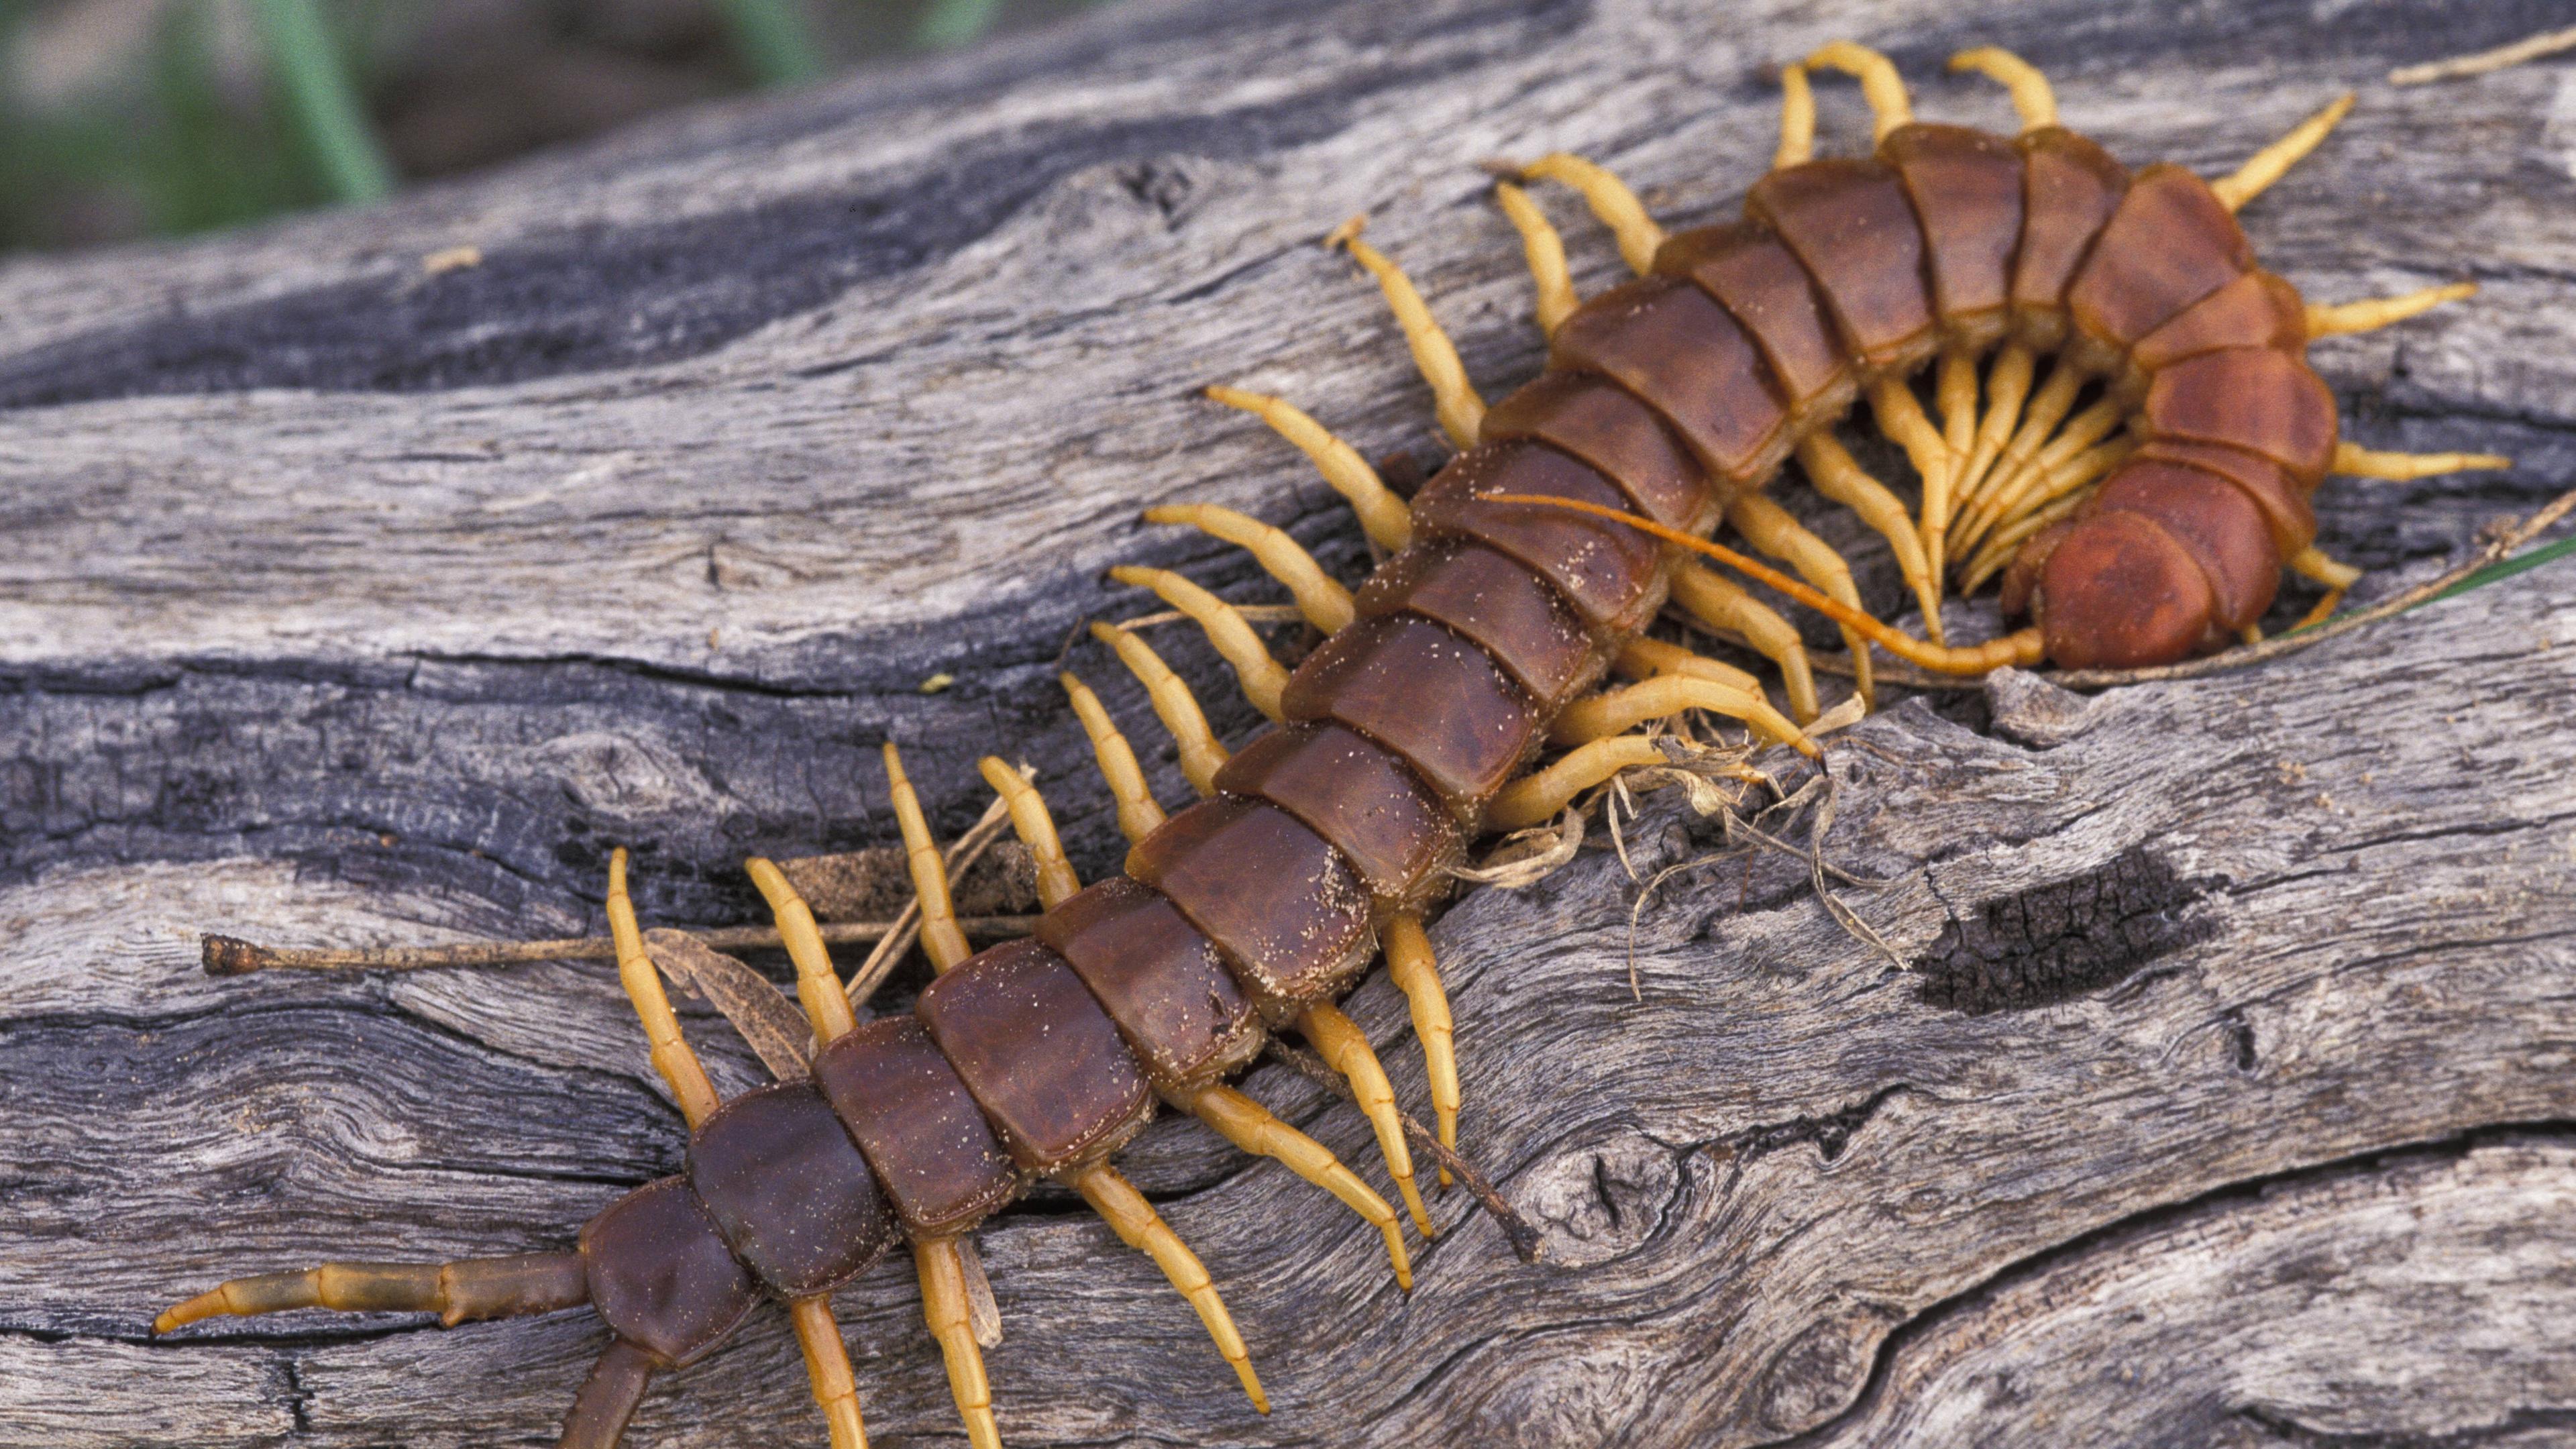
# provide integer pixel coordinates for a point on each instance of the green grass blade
(774, 41)
(322, 101)
(2506, 568)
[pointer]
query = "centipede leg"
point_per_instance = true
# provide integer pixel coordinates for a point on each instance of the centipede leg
(1138, 814)
(1901, 419)
(1411, 966)
(1721, 604)
(2045, 410)
(1797, 119)
(2312, 563)
(1461, 411)
(944, 1306)
(1138, 1226)
(2373, 313)
(1260, 675)
(2032, 98)
(2274, 161)
(1955, 395)
(1616, 711)
(827, 1367)
(2015, 496)
(1880, 85)
(1253, 1128)
(1999, 548)
(818, 983)
(1346, 1050)
(2359, 462)
(643, 982)
(1031, 821)
(1545, 252)
(1838, 476)
(1612, 202)
(2041, 489)
(1320, 597)
(1535, 798)
(1768, 527)
(2007, 388)
(1201, 755)
(941, 939)
(608, 1397)
(1383, 516)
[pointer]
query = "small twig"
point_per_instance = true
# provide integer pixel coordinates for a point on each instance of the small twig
(230, 956)
(2297, 639)
(2459, 66)
(891, 946)
(1524, 1238)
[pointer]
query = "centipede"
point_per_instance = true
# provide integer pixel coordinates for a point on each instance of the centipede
(2109, 412)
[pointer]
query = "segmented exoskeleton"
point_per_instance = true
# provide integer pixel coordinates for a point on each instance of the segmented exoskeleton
(1519, 576)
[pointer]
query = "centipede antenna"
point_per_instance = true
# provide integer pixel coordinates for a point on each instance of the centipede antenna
(1767, 526)
(1461, 411)
(1797, 119)
(1838, 476)
(818, 984)
(1201, 755)
(1260, 675)
(2373, 313)
(1383, 516)
(635, 971)
(946, 1307)
(2274, 161)
(1035, 826)
(2360, 462)
(2022, 648)
(1252, 1128)
(2032, 99)
(1545, 251)
(458, 1292)
(1320, 597)
(1410, 965)
(827, 1368)
(1880, 85)
(1720, 604)
(1138, 1226)
(1342, 1044)
(1612, 202)
(1138, 814)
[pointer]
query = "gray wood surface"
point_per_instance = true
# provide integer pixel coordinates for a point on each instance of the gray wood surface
(2230, 1096)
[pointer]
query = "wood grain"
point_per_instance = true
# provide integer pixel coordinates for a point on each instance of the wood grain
(2230, 1096)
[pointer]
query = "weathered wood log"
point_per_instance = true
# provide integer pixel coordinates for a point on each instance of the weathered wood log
(2224, 1095)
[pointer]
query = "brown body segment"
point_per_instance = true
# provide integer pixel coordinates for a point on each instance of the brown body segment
(1966, 187)
(2171, 243)
(2268, 402)
(934, 1152)
(789, 1190)
(2258, 309)
(1367, 802)
(1678, 351)
(1374, 676)
(2116, 591)
(1596, 421)
(2266, 484)
(2219, 525)
(1612, 575)
(1849, 222)
(1288, 912)
(1497, 603)
(661, 1275)
(1160, 979)
(1040, 1056)
(2070, 187)
(1761, 284)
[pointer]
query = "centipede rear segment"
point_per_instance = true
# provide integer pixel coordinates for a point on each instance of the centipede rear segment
(2026, 273)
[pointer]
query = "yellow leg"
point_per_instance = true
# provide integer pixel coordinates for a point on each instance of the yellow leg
(1462, 412)
(1643, 658)
(1383, 516)
(2031, 97)
(1797, 119)
(1261, 676)
(1998, 550)
(2007, 388)
(2050, 476)
(1347, 1050)
(2376, 312)
(1879, 83)
(2312, 563)
(1250, 1126)
(827, 1365)
(1320, 597)
(1611, 201)
(944, 1308)
(1535, 798)
(1201, 755)
(1768, 527)
(1036, 829)
(818, 983)
(1617, 711)
(1838, 476)
(1901, 418)
(1136, 1224)
(1956, 396)
(941, 940)
(1410, 966)
(1546, 253)
(1138, 814)
(2274, 161)
(1722, 604)
(2361, 462)
(2048, 407)
(635, 971)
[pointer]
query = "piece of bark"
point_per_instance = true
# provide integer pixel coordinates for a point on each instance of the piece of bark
(349, 605)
